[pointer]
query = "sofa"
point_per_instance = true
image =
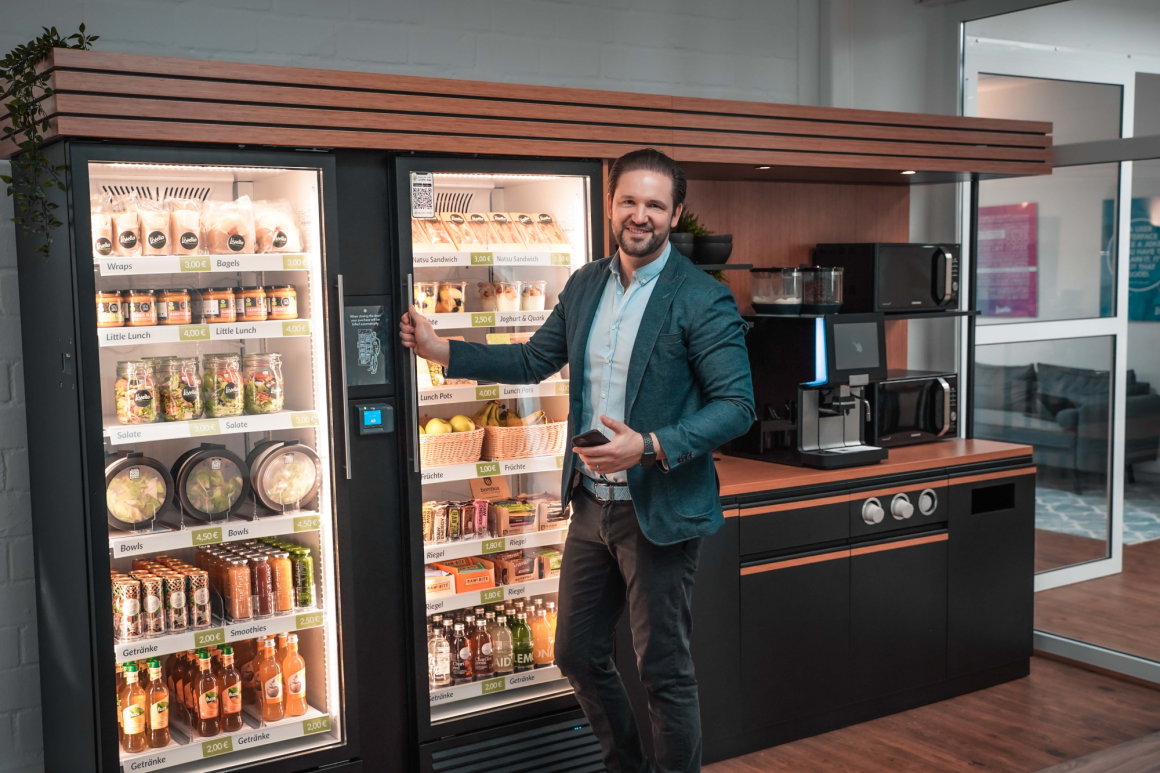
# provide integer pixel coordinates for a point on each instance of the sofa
(1063, 412)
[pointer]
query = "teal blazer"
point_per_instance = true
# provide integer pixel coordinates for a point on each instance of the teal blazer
(688, 381)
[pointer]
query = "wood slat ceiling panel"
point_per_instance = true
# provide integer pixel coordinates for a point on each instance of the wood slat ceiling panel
(125, 96)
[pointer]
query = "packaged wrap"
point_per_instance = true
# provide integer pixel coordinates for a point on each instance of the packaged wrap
(185, 235)
(276, 227)
(154, 227)
(229, 226)
(126, 226)
(100, 211)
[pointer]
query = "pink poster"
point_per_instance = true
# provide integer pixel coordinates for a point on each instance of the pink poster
(1008, 261)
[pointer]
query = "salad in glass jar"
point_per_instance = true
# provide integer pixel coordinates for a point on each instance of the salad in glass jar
(221, 385)
(262, 377)
(136, 392)
(179, 387)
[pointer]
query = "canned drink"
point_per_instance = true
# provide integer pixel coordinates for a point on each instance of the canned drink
(302, 569)
(152, 605)
(127, 609)
(200, 611)
(176, 606)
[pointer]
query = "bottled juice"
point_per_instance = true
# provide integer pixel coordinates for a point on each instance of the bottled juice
(502, 655)
(482, 663)
(250, 691)
(270, 684)
(158, 699)
(460, 656)
(134, 711)
(522, 643)
(543, 641)
(120, 686)
(280, 652)
(439, 658)
(207, 691)
(550, 608)
(231, 693)
(294, 669)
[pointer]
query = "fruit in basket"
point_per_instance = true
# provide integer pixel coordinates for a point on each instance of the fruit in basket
(539, 417)
(462, 424)
(438, 427)
(422, 431)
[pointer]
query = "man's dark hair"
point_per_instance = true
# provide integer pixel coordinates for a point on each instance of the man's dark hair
(652, 160)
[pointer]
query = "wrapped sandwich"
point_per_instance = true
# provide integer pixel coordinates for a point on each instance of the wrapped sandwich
(481, 226)
(154, 227)
(550, 228)
(434, 232)
(461, 231)
(529, 229)
(229, 226)
(505, 230)
(102, 218)
(276, 227)
(126, 226)
(185, 237)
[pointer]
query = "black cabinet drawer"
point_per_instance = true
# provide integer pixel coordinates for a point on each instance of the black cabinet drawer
(992, 570)
(898, 618)
(785, 525)
(926, 501)
(795, 637)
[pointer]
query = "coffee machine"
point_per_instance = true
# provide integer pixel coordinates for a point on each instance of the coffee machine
(810, 382)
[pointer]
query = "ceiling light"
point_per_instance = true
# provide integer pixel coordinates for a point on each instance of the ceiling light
(763, 167)
(909, 172)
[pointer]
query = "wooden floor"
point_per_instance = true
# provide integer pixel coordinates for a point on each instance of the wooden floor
(1059, 713)
(1053, 550)
(1121, 612)
(1139, 756)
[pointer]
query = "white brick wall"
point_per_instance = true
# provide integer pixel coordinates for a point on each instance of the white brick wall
(763, 50)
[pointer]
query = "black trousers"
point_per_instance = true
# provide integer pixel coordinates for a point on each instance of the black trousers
(608, 561)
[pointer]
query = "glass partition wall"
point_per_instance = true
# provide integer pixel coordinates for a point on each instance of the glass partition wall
(1067, 346)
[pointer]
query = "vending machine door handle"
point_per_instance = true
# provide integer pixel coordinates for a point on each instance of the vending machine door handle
(342, 359)
(414, 384)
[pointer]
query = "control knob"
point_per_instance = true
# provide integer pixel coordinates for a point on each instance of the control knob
(901, 508)
(872, 512)
(927, 501)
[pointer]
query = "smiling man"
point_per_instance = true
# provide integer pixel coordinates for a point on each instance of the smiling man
(660, 371)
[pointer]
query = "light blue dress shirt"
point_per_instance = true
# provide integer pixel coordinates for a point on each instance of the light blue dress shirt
(609, 350)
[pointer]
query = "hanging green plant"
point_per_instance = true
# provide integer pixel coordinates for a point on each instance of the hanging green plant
(23, 98)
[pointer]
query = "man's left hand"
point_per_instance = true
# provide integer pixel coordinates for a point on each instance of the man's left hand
(620, 453)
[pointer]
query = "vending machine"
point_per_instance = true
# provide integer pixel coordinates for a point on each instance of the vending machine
(186, 437)
(485, 247)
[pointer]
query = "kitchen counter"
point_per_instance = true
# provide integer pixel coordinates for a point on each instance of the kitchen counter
(748, 476)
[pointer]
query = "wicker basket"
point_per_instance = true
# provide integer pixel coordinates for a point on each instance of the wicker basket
(500, 443)
(450, 448)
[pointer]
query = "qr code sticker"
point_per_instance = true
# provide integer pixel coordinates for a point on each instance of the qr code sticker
(422, 194)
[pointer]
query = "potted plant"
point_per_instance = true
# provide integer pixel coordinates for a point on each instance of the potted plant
(698, 243)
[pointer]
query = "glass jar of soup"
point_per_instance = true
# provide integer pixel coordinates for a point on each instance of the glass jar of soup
(142, 308)
(217, 304)
(250, 304)
(281, 302)
(136, 392)
(173, 307)
(221, 385)
(109, 313)
(262, 380)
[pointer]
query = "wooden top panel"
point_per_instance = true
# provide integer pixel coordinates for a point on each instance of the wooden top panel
(125, 96)
(746, 476)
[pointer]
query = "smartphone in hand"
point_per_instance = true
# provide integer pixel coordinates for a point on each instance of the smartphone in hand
(592, 437)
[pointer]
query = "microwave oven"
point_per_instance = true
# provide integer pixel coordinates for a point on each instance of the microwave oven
(894, 278)
(912, 407)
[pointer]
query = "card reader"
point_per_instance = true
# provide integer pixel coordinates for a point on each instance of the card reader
(375, 418)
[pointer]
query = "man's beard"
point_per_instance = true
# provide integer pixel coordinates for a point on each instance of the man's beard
(652, 245)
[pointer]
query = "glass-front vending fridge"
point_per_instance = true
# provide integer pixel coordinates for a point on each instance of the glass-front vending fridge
(198, 362)
(487, 247)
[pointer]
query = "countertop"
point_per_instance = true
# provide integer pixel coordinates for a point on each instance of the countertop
(746, 476)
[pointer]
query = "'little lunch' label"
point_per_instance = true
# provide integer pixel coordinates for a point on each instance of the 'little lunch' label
(193, 332)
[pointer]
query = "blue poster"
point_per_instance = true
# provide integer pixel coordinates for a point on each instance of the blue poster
(1143, 260)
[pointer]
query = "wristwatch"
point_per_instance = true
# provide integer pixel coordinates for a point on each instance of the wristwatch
(649, 457)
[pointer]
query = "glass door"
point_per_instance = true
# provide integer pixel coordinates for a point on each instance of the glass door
(211, 323)
(490, 255)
